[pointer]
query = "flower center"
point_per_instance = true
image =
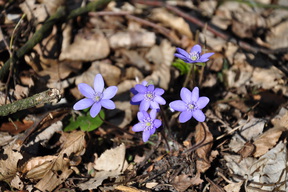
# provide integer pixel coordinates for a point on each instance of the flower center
(148, 124)
(97, 97)
(190, 107)
(149, 96)
(194, 56)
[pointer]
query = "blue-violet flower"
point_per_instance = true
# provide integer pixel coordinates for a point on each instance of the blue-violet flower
(97, 97)
(190, 105)
(194, 55)
(147, 123)
(135, 92)
(148, 96)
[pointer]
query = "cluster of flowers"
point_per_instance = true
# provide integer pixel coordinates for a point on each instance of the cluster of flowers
(148, 97)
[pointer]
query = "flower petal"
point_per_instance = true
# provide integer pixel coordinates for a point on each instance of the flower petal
(159, 91)
(206, 55)
(98, 83)
(182, 52)
(145, 135)
(202, 102)
(107, 103)
(145, 114)
(196, 48)
(195, 94)
(133, 90)
(178, 105)
(186, 95)
(110, 92)
(140, 88)
(185, 116)
(95, 109)
(144, 105)
(160, 100)
(152, 131)
(181, 56)
(153, 114)
(202, 60)
(154, 105)
(199, 115)
(150, 88)
(86, 90)
(138, 97)
(140, 116)
(157, 123)
(83, 104)
(138, 127)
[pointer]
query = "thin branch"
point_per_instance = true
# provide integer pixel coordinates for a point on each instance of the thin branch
(48, 96)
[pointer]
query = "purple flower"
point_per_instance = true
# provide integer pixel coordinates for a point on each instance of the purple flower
(148, 123)
(135, 92)
(190, 105)
(194, 55)
(148, 96)
(97, 97)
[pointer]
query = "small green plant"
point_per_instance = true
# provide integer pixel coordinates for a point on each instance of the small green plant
(85, 122)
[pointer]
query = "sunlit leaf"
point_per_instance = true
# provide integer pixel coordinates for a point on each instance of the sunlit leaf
(86, 123)
(181, 66)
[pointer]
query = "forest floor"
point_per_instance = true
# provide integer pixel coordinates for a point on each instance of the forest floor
(48, 48)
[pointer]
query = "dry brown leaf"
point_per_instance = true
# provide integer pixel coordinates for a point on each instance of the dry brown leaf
(203, 163)
(37, 167)
(54, 170)
(111, 74)
(57, 173)
(161, 74)
(136, 59)
(16, 127)
(213, 186)
(8, 161)
(87, 47)
(132, 39)
(21, 92)
(128, 189)
(269, 138)
(233, 187)
(110, 164)
(41, 11)
(61, 70)
(183, 182)
(271, 168)
(168, 19)
(73, 143)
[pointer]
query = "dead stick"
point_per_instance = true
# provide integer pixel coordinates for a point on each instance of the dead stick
(48, 96)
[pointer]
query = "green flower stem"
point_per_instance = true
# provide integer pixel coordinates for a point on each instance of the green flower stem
(191, 71)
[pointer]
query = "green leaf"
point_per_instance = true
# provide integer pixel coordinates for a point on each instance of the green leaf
(86, 123)
(182, 66)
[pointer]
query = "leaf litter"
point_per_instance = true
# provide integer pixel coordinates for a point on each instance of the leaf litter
(242, 146)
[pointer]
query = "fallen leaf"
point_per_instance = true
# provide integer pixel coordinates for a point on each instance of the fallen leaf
(234, 187)
(268, 139)
(9, 158)
(93, 46)
(183, 182)
(16, 127)
(175, 22)
(110, 164)
(132, 39)
(270, 169)
(111, 74)
(203, 152)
